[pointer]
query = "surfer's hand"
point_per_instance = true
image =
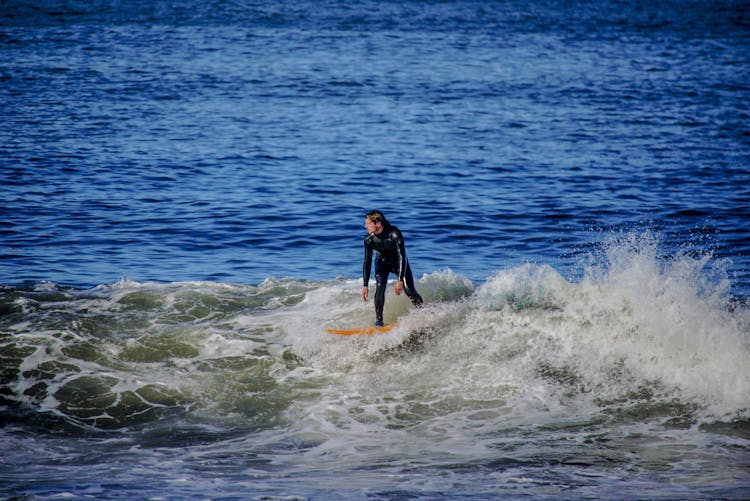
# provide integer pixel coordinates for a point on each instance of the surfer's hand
(365, 293)
(399, 287)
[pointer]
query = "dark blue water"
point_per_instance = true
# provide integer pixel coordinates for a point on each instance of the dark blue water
(236, 141)
(182, 192)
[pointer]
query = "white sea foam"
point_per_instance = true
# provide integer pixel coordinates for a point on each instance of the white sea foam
(640, 330)
(527, 344)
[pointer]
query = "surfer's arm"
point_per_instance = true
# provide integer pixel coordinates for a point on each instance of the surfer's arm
(366, 267)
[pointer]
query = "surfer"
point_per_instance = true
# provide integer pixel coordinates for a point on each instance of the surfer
(388, 243)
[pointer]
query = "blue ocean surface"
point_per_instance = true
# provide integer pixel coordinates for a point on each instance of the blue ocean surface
(183, 187)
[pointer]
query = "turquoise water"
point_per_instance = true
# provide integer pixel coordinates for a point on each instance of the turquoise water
(183, 188)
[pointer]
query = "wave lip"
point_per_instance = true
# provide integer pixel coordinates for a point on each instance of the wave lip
(636, 324)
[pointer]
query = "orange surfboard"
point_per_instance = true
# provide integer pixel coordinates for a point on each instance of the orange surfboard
(369, 330)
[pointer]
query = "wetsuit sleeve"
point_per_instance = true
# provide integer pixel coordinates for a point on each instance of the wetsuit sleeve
(367, 264)
(401, 251)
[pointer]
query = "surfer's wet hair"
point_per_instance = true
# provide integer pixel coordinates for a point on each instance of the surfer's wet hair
(376, 217)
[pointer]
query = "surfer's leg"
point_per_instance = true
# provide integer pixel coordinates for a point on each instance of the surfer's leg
(381, 281)
(409, 289)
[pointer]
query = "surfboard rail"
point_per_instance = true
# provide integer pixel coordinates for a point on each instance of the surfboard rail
(362, 331)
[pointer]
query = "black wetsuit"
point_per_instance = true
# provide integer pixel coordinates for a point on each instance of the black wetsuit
(391, 258)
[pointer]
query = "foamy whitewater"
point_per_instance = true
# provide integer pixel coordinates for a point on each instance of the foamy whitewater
(631, 382)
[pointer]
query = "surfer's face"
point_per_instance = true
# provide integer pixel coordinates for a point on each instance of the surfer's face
(373, 228)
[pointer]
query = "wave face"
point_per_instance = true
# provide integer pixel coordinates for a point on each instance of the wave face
(526, 381)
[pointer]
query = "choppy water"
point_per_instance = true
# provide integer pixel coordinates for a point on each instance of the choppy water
(183, 186)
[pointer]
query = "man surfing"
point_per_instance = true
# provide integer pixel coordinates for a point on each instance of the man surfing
(388, 243)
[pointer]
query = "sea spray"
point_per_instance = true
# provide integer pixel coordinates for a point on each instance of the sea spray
(670, 321)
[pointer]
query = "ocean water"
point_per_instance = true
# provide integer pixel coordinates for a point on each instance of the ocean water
(182, 191)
